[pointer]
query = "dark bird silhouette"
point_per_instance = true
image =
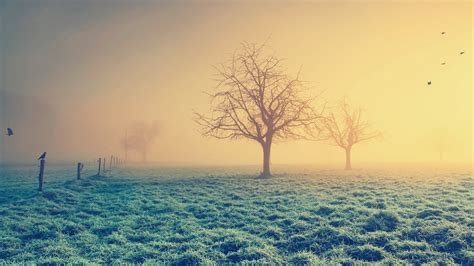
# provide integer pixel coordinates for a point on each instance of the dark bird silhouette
(429, 82)
(461, 52)
(444, 63)
(443, 32)
(9, 132)
(43, 156)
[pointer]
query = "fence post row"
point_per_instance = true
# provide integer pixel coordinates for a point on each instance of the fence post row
(114, 162)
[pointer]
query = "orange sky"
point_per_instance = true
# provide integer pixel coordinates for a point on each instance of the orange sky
(97, 67)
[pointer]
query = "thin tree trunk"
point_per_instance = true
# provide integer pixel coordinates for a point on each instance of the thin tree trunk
(266, 158)
(348, 159)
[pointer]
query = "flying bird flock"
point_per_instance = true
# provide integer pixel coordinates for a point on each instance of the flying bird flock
(444, 63)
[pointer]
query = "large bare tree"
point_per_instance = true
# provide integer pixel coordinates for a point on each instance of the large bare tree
(257, 100)
(346, 127)
(139, 136)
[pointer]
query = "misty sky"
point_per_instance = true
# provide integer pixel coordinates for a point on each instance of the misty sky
(76, 74)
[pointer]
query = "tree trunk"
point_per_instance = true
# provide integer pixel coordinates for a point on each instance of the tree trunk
(266, 158)
(348, 159)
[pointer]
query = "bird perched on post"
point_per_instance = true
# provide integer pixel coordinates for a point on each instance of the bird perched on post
(43, 156)
(9, 132)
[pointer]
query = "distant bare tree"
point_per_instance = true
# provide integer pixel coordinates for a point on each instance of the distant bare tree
(125, 144)
(257, 100)
(138, 138)
(346, 127)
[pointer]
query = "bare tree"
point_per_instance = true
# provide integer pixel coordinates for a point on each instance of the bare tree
(441, 142)
(138, 138)
(346, 127)
(257, 100)
(125, 144)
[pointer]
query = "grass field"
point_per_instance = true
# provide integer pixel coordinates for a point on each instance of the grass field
(189, 216)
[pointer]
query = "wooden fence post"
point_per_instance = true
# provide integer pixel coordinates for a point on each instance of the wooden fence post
(103, 165)
(79, 168)
(110, 163)
(100, 163)
(40, 177)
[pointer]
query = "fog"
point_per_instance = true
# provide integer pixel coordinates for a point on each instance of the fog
(76, 74)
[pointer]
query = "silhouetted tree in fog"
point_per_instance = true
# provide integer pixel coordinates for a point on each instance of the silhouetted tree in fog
(125, 144)
(257, 100)
(345, 127)
(138, 138)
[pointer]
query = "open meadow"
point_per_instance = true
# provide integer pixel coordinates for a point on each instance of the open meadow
(220, 215)
(211, 132)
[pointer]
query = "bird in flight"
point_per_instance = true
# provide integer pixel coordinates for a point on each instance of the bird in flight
(443, 32)
(9, 132)
(461, 52)
(429, 82)
(444, 63)
(43, 156)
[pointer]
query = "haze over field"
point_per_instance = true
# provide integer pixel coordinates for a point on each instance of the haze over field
(75, 75)
(250, 132)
